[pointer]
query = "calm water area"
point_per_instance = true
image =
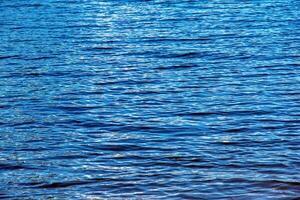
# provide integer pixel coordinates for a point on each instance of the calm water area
(157, 99)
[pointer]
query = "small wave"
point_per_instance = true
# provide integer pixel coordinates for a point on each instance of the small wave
(10, 167)
(176, 67)
(182, 55)
(57, 185)
(8, 57)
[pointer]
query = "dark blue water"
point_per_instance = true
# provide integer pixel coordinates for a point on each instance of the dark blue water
(118, 99)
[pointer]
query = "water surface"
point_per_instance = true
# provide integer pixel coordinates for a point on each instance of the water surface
(124, 99)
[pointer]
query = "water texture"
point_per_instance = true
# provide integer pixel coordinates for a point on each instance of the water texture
(126, 99)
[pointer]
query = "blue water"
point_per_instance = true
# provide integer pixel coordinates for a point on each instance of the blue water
(124, 99)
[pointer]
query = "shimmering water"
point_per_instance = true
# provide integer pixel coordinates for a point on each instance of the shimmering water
(181, 99)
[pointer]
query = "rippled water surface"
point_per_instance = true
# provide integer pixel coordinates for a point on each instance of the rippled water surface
(126, 99)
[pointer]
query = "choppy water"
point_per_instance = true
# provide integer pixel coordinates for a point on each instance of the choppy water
(154, 99)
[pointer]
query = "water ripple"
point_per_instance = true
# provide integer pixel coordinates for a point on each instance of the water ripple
(149, 99)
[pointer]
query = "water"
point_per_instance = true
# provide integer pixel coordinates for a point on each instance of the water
(157, 99)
